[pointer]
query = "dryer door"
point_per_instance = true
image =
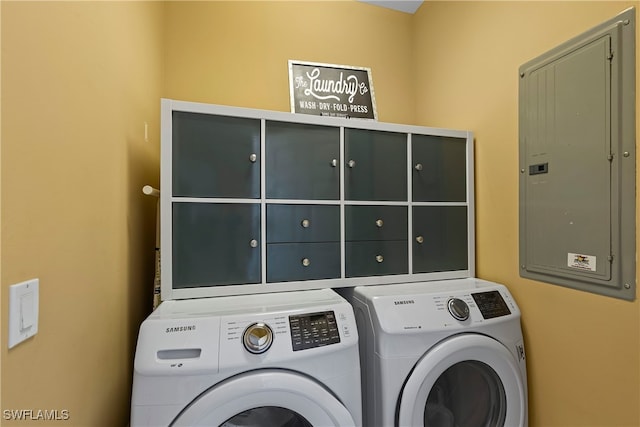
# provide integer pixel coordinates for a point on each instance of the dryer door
(466, 380)
(273, 398)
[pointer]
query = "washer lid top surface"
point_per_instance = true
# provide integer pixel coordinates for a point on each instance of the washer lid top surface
(430, 287)
(242, 304)
(297, 394)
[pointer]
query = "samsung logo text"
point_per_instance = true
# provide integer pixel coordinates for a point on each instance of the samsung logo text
(404, 302)
(181, 329)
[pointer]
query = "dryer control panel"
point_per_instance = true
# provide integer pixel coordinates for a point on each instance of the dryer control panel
(313, 330)
(415, 308)
(491, 304)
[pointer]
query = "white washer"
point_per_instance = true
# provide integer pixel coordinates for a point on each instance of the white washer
(442, 353)
(281, 359)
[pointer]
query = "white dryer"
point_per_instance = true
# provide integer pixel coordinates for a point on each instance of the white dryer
(442, 353)
(282, 359)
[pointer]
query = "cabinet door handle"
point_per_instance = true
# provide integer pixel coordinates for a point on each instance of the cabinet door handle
(306, 262)
(253, 243)
(420, 239)
(418, 166)
(305, 223)
(379, 223)
(351, 163)
(379, 258)
(253, 157)
(334, 163)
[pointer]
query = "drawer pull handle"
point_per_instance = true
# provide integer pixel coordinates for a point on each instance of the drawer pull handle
(253, 157)
(352, 163)
(334, 163)
(379, 258)
(253, 243)
(420, 239)
(306, 262)
(379, 223)
(418, 166)
(305, 223)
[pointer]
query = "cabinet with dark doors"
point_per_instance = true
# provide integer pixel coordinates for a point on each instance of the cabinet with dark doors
(302, 161)
(215, 156)
(440, 238)
(376, 240)
(259, 201)
(303, 242)
(375, 165)
(439, 168)
(215, 244)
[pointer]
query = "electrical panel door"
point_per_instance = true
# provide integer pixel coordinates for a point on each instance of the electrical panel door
(575, 158)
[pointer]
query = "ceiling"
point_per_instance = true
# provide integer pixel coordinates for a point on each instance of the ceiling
(407, 6)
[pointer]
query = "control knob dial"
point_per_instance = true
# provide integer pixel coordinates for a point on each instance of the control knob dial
(257, 338)
(458, 309)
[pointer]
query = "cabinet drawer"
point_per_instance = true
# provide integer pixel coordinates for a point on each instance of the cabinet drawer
(302, 161)
(215, 244)
(376, 258)
(440, 238)
(375, 165)
(376, 223)
(439, 168)
(215, 156)
(287, 262)
(303, 223)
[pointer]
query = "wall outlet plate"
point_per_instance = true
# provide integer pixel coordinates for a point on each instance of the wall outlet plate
(23, 311)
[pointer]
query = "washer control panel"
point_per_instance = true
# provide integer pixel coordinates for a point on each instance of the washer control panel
(313, 330)
(491, 304)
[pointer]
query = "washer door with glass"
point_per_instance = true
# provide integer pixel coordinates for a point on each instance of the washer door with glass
(466, 380)
(266, 398)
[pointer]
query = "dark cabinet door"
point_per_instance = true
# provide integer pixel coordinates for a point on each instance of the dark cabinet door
(375, 165)
(215, 244)
(302, 161)
(303, 242)
(287, 262)
(303, 223)
(440, 238)
(215, 156)
(439, 168)
(376, 223)
(376, 258)
(376, 240)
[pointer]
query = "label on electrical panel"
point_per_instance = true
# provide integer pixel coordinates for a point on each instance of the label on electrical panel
(581, 261)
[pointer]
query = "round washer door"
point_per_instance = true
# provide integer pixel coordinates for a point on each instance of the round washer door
(266, 398)
(464, 380)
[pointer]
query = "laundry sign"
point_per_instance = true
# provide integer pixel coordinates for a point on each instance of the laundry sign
(331, 90)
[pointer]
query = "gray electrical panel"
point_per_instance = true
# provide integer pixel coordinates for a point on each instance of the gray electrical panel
(577, 162)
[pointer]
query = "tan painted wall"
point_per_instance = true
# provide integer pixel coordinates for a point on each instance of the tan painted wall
(583, 349)
(78, 82)
(79, 79)
(236, 53)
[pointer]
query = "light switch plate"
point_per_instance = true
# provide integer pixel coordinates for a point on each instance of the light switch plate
(23, 311)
